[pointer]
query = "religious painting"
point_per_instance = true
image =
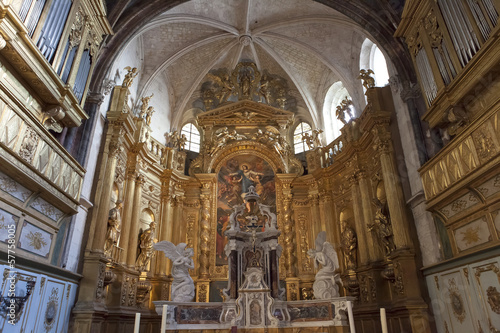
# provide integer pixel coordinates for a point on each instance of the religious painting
(234, 179)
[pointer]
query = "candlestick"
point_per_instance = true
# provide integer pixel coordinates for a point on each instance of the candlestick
(383, 320)
(164, 319)
(137, 322)
(351, 317)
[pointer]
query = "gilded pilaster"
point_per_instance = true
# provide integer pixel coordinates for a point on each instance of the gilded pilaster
(313, 197)
(364, 251)
(128, 204)
(101, 223)
(166, 220)
(366, 202)
(136, 214)
(393, 190)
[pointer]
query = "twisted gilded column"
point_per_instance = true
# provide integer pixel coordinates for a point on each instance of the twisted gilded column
(393, 189)
(207, 189)
(100, 225)
(289, 257)
(205, 236)
(136, 215)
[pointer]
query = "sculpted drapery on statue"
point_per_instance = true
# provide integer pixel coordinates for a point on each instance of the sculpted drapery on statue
(114, 228)
(349, 245)
(325, 286)
(182, 286)
(147, 240)
(383, 228)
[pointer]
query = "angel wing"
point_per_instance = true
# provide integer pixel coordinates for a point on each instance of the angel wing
(171, 251)
(128, 68)
(330, 252)
(320, 240)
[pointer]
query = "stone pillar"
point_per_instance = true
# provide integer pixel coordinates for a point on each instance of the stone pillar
(361, 230)
(98, 232)
(393, 192)
(128, 204)
(136, 214)
(373, 248)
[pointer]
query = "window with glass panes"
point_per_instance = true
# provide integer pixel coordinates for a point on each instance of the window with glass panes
(193, 137)
(298, 144)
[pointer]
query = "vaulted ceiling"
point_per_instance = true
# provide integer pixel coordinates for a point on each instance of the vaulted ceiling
(308, 44)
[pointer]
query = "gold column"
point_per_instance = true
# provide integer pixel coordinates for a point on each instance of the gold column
(101, 222)
(315, 213)
(128, 204)
(136, 214)
(289, 257)
(207, 192)
(166, 221)
(373, 249)
(361, 230)
(393, 192)
(327, 216)
(205, 236)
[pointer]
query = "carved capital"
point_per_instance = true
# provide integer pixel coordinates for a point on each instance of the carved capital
(115, 148)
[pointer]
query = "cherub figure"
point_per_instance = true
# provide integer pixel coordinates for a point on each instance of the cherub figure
(315, 137)
(325, 286)
(145, 102)
(308, 139)
(149, 114)
(181, 142)
(182, 284)
(368, 81)
(129, 77)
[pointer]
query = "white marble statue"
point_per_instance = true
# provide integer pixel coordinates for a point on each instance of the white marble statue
(325, 286)
(182, 284)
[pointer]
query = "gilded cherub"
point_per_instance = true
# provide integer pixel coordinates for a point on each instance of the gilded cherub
(129, 77)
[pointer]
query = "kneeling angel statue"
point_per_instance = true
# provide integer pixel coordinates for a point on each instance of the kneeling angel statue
(325, 285)
(182, 285)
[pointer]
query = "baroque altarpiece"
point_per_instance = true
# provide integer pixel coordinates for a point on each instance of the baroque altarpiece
(349, 188)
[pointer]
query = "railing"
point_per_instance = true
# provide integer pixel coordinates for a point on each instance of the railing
(329, 152)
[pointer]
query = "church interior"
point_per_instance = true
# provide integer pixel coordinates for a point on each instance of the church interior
(315, 166)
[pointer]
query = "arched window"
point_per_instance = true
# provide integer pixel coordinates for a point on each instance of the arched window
(333, 98)
(193, 137)
(372, 58)
(301, 129)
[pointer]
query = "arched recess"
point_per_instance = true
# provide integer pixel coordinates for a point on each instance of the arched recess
(248, 147)
(147, 216)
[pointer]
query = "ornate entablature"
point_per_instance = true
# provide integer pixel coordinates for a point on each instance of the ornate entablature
(246, 126)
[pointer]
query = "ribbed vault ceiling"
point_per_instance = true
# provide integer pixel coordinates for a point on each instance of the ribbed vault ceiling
(308, 44)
